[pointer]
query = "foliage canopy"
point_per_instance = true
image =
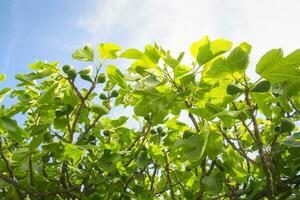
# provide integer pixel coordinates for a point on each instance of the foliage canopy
(203, 130)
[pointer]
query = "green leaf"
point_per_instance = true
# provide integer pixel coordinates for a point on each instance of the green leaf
(132, 54)
(26, 79)
(152, 53)
(108, 50)
(268, 60)
(84, 54)
(238, 59)
(273, 67)
(156, 153)
(86, 71)
(73, 152)
(293, 140)
(4, 91)
(214, 145)
(212, 50)
(2, 77)
(9, 124)
(48, 94)
(115, 76)
(194, 147)
(40, 65)
(263, 100)
(60, 123)
(205, 50)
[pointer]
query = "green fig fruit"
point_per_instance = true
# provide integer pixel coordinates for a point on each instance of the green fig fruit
(72, 74)
(66, 68)
(277, 129)
(286, 125)
(187, 134)
(233, 89)
(67, 109)
(47, 137)
(45, 159)
(101, 78)
(153, 132)
(159, 129)
(147, 117)
(87, 78)
(92, 138)
(106, 133)
(114, 93)
(99, 109)
(59, 113)
(262, 86)
(70, 71)
(86, 71)
(103, 96)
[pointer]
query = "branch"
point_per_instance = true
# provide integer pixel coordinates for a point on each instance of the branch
(167, 168)
(264, 159)
(203, 174)
(10, 171)
(241, 152)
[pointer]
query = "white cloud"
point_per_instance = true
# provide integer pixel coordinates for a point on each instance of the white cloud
(175, 24)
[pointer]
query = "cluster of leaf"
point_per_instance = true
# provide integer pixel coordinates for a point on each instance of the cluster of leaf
(207, 131)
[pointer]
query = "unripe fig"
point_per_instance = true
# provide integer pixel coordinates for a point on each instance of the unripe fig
(103, 96)
(92, 138)
(262, 86)
(153, 132)
(45, 159)
(47, 137)
(67, 109)
(101, 78)
(147, 117)
(86, 77)
(70, 71)
(72, 74)
(99, 109)
(286, 126)
(277, 129)
(66, 68)
(114, 93)
(59, 113)
(187, 134)
(159, 129)
(233, 89)
(106, 133)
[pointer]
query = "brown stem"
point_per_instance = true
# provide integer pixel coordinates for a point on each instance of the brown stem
(10, 171)
(241, 152)
(153, 179)
(203, 174)
(167, 168)
(30, 169)
(264, 159)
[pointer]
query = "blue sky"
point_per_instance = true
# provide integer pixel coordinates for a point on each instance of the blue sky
(51, 30)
